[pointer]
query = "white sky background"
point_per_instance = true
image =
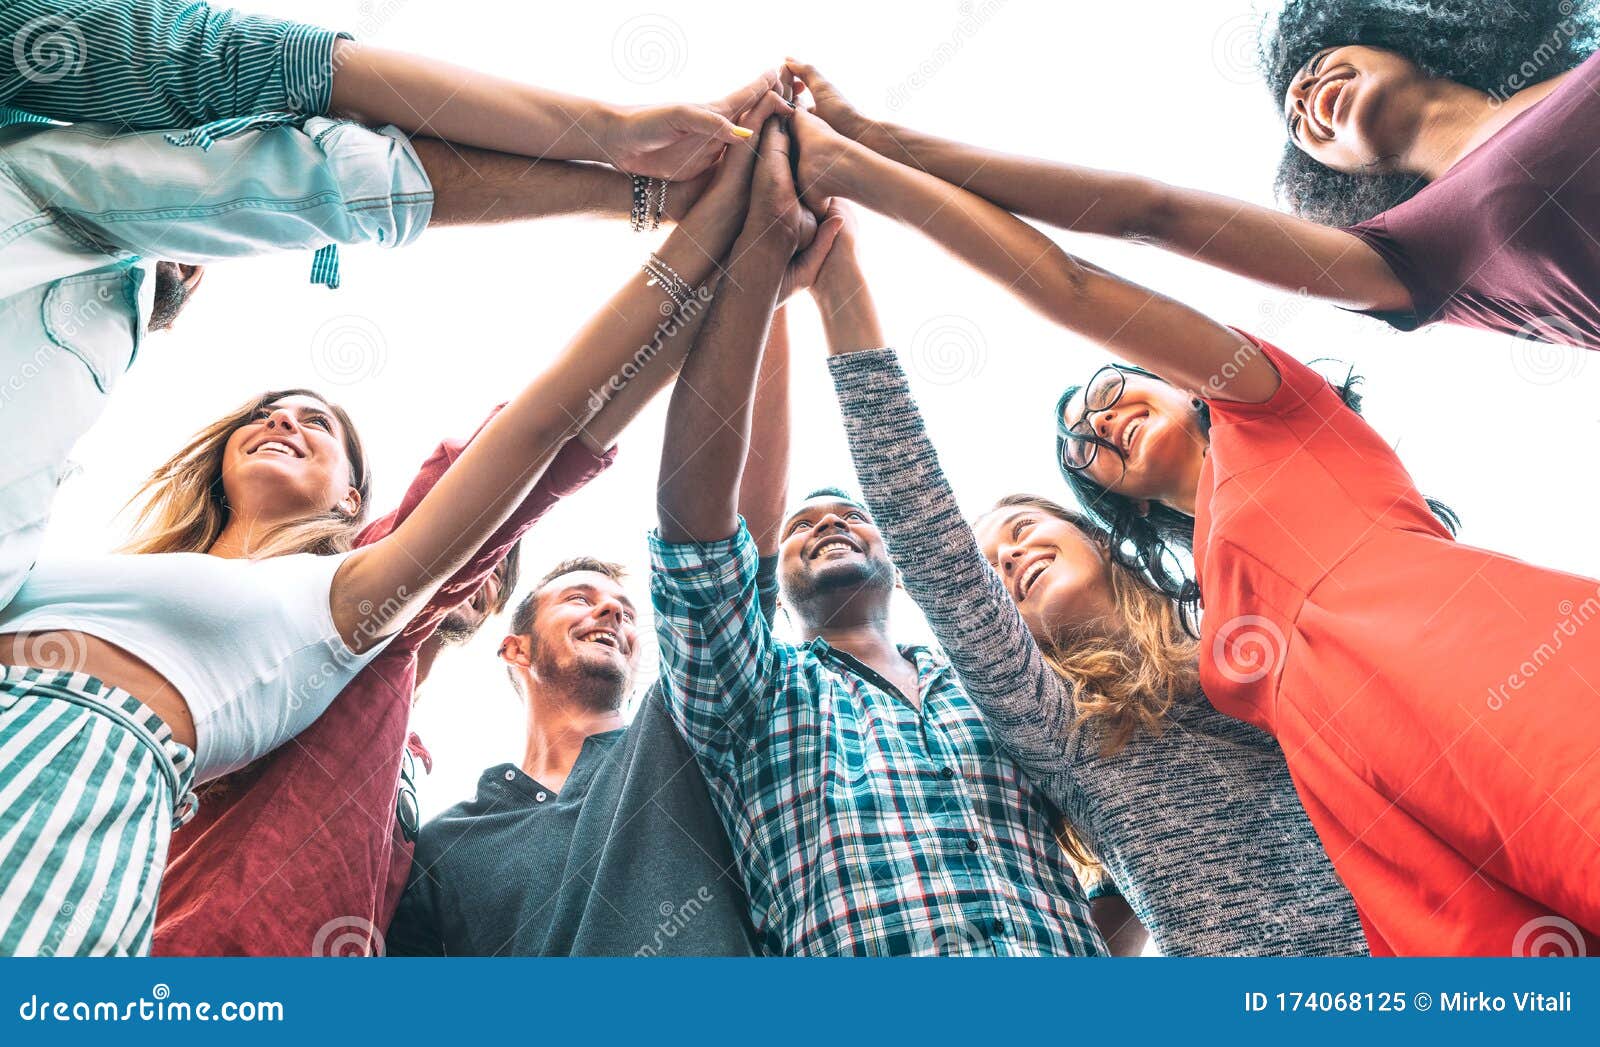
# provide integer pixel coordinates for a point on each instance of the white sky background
(458, 322)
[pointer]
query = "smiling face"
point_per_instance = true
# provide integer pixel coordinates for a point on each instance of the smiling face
(1058, 578)
(828, 546)
(1346, 107)
(584, 629)
(1151, 440)
(290, 458)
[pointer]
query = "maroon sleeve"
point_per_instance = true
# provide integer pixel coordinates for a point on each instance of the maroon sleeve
(1377, 233)
(574, 466)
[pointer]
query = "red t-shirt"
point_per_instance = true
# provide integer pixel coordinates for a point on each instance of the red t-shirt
(301, 853)
(1506, 239)
(1439, 723)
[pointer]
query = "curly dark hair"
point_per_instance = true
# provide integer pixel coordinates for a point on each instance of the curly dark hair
(1485, 44)
(1160, 541)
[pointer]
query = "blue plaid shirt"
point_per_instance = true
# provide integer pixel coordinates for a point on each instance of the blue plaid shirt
(863, 825)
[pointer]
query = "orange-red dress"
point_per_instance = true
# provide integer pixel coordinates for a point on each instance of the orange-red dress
(1439, 705)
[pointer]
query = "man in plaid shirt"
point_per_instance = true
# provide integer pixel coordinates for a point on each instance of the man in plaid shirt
(872, 811)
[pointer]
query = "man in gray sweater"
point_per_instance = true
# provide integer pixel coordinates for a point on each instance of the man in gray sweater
(602, 840)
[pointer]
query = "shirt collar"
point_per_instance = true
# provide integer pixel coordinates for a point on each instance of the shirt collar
(591, 757)
(930, 664)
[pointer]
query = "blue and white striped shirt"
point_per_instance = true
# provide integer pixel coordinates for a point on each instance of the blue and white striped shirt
(156, 64)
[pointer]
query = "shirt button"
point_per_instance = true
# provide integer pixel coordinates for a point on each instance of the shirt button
(972, 844)
(511, 776)
(947, 773)
(539, 797)
(999, 927)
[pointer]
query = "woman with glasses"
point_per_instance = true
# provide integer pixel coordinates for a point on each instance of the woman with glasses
(1086, 672)
(1436, 703)
(1439, 163)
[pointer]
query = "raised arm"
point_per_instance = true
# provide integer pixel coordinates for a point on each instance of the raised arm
(717, 653)
(1266, 245)
(708, 423)
(944, 571)
(426, 96)
(1182, 345)
(764, 482)
(380, 586)
(483, 187)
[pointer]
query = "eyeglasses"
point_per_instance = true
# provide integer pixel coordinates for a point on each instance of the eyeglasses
(1077, 445)
(407, 811)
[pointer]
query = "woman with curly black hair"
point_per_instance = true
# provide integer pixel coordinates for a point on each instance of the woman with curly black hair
(1440, 166)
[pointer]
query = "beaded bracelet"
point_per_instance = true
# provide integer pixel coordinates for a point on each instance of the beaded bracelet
(641, 202)
(649, 203)
(663, 275)
(661, 202)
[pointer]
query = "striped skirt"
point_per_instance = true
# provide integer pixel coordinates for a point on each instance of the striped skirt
(91, 787)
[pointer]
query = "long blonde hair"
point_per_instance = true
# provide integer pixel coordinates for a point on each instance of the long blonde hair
(183, 508)
(1130, 682)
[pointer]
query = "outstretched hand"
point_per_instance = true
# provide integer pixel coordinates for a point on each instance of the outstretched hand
(826, 100)
(679, 142)
(835, 232)
(824, 159)
(776, 214)
(729, 190)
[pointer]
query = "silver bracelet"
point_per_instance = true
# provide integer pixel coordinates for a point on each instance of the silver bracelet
(649, 203)
(662, 274)
(661, 203)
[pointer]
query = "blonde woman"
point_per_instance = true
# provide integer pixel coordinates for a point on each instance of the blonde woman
(124, 679)
(1089, 678)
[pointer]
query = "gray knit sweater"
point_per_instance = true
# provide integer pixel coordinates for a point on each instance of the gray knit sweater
(1200, 826)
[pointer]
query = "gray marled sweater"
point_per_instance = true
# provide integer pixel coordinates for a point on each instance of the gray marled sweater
(1200, 826)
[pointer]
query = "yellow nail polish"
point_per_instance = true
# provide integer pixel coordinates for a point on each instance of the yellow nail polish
(743, 132)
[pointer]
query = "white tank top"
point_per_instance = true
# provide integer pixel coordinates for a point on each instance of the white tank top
(250, 644)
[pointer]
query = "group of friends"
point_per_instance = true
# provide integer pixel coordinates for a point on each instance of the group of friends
(1236, 691)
